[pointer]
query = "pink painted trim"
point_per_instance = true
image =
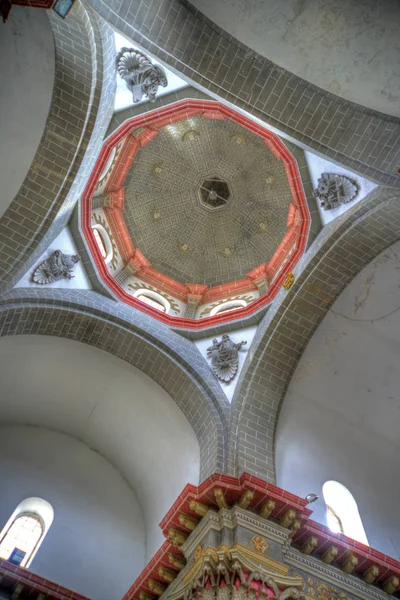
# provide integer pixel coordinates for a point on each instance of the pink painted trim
(152, 121)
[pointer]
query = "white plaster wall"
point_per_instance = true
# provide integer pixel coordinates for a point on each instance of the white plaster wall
(348, 47)
(27, 69)
(247, 335)
(111, 406)
(318, 165)
(64, 242)
(96, 543)
(341, 416)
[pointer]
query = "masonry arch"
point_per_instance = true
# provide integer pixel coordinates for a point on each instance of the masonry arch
(330, 265)
(70, 140)
(322, 121)
(169, 360)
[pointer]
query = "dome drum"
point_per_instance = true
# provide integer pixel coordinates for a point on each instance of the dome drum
(200, 219)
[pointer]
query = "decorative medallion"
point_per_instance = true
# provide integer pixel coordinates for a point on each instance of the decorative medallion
(190, 135)
(227, 252)
(288, 281)
(57, 266)
(238, 139)
(184, 248)
(224, 356)
(263, 226)
(334, 190)
(260, 544)
(157, 170)
(269, 178)
(156, 215)
(141, 76)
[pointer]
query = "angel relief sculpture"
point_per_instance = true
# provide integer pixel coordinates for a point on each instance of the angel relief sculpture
(224, 356)
(141, 76)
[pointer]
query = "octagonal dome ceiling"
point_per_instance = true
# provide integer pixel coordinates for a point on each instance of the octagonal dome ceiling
(188, 240)
(194, 206)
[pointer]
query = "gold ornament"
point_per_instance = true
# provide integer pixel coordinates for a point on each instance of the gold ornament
(245, 498)
(288, 281)
(310, 545)
(260, 544)
(288, 518)
(220, 498)
(200, 509)
(350, 563)
(198, 553)
(188, 522)
(371, 574)
(267, 509)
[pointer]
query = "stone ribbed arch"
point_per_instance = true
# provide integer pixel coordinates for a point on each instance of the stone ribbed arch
(343, 249)
(170, 360)
(362, 139)
(80, 111)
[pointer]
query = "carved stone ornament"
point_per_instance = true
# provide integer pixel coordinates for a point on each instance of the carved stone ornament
(57, 266)
(235, 573)
(334, 190)
(259, 544)
(141, 76)
(224, 356)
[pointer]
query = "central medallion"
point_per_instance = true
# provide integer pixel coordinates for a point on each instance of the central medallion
(214, 193)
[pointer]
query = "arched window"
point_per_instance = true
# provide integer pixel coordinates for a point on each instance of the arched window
(342, 514)
(103, 242)
(100, 243)
(153, 299)
(25, 530)
(227, 306)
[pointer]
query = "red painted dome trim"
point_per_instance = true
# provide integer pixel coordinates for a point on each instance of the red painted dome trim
(149, 125)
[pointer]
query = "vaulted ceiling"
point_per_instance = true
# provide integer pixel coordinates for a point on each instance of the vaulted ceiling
(190, 240)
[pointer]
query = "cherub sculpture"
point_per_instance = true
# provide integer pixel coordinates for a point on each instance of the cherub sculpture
(141, 76)
(224, 356)
(57, 266)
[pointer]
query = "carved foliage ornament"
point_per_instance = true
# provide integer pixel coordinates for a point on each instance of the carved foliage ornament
(321, 591)
(218, 575)
(334, 190)
(259, 544)
(141, 76)
(224, 356)
(57, 266)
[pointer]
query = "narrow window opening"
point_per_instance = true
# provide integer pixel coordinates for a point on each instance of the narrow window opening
(25, 531)
(21, 539)
(151, 302)
(342, 515)
(100, 243)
